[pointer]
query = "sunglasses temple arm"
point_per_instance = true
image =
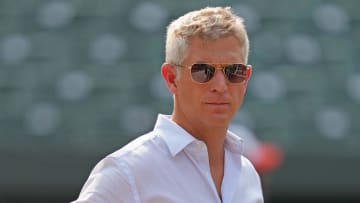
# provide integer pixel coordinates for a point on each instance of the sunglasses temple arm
(248, 73)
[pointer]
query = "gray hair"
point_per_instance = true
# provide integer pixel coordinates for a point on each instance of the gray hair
(209, 23)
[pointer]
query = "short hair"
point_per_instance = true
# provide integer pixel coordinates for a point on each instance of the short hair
(208, 23)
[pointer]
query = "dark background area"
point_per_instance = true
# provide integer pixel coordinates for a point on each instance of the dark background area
(79, 79)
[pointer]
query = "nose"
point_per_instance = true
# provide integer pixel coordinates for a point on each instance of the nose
(219, 82)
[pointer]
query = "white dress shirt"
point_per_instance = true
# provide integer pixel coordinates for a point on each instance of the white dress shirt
(168, 165)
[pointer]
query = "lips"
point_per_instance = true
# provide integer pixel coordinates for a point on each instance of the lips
(217, 103)
(217, 107)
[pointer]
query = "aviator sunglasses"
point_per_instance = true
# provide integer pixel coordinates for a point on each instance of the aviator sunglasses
(204, 72)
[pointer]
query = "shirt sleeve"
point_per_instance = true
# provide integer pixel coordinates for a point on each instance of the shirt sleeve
(110, 181)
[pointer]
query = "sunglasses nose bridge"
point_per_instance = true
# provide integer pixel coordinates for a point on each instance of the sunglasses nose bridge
(222, 70)
(218, 67)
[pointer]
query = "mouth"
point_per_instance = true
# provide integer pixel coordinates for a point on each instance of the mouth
(217, 103)
(217, 107)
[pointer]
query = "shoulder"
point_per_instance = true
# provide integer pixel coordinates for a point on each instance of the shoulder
(145, 145)
(117, 162)
(246, 164)
(112, 178)
(249, 171)
(139, 156)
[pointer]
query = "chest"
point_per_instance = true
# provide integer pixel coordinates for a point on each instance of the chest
(187, 178)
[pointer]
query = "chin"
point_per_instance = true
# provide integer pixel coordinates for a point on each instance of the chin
(219, 120)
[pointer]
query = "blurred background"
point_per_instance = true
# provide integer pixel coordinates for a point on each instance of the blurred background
(81, 78)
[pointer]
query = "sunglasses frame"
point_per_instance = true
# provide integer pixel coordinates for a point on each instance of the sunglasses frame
(217, 66)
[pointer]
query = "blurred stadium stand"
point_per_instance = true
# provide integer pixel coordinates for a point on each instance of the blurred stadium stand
(80, 78)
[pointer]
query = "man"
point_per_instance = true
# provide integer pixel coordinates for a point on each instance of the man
(190, 156)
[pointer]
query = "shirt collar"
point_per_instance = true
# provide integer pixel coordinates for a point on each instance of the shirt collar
(233, 142)
(179, 138)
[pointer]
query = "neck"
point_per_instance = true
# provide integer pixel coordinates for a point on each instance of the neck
(211, 135)
(213, 138)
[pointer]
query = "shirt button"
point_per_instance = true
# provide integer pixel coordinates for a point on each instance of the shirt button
(199, 146)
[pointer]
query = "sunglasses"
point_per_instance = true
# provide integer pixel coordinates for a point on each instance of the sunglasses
(203, 72)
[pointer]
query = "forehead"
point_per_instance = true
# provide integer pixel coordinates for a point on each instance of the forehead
(222, 50)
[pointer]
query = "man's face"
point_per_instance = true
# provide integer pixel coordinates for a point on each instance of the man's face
(212, 104)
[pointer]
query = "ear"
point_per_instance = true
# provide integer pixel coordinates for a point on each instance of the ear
(168, 72)
(248, 73)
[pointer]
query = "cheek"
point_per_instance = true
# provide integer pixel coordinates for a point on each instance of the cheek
(185, 91)
(190, 97)
(238, 96)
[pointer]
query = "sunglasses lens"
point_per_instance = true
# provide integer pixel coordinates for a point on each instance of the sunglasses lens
(202, 72)
(235, 73)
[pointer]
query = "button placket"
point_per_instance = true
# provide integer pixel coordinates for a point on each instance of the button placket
(199, 155)
(203, 160)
